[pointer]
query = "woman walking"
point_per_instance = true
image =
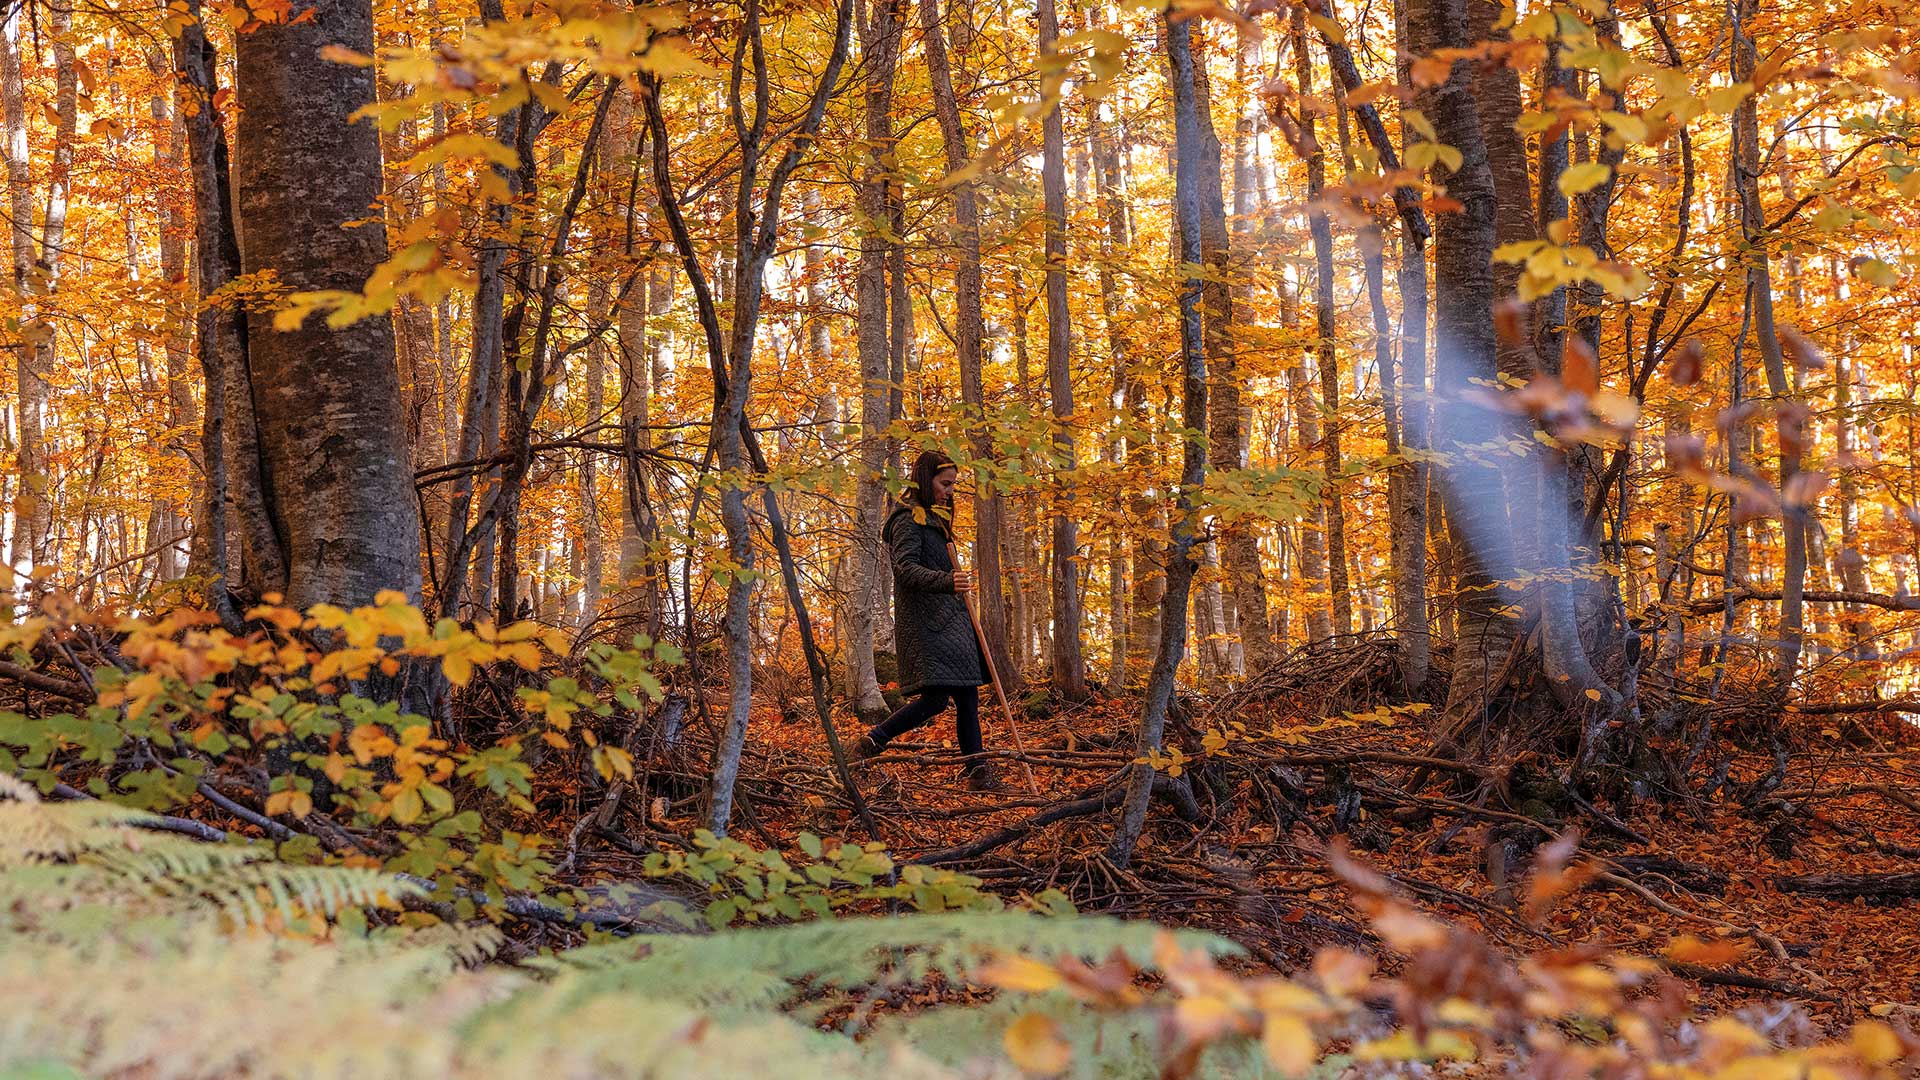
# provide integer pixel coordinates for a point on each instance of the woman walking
(939, 654)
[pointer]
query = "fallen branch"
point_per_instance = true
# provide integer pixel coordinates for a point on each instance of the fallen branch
(1772, 943)
(46, 684)
(1903, 886)
(1833, 708)
(1885, 791)
(1163, 788)
(1106, 800)
(1717, 977)
(1713, 604)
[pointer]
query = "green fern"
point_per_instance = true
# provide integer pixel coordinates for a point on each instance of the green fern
(79, 863)
(135, 952)
(760, 967)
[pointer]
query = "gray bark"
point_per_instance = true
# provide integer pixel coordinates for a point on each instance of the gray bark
(969, 323)
(1069, 664)
(334, 455)
(1180, 566)
(880, 40)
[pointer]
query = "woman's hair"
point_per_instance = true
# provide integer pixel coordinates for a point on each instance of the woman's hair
(928, 465)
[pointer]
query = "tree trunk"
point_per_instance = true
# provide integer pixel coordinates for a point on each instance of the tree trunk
(1852, 563)
(880, 40)
(1409, 489)
(1193, 472)
(1320, 226)
(1236, 550)
(969, 324)
(327, 401)
(175, 518)
(1464, 351)
(1313, 535)
(229, 435)
(1069, 665)
(32, 513)
(1753, 229)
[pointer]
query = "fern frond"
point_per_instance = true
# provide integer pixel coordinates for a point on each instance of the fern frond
(752, 968)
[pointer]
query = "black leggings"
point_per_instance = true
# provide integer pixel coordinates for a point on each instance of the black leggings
(930, 703)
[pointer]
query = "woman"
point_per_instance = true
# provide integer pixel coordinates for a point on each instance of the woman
(940, 658)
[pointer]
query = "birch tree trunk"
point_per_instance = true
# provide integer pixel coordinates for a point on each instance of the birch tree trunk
(30, 509)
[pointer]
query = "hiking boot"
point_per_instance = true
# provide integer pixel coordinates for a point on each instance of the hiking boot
(866, 748)
(983, 777)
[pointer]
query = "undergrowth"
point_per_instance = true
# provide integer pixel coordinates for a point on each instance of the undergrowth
(350, 938)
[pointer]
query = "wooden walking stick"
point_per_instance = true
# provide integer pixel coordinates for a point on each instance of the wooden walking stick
(993, 673)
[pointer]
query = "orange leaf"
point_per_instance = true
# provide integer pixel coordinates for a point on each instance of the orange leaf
(1035, 1045)
(1688, 949)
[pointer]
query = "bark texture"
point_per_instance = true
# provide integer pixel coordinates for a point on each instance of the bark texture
(332, 435)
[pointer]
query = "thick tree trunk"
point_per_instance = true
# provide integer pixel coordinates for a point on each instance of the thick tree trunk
(1236, 551)
(327, 401)
(1464, 351)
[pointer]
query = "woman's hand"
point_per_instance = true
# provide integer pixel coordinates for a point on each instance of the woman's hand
(962, 581)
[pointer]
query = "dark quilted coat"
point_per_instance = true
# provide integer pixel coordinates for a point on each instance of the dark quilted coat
(932, 634)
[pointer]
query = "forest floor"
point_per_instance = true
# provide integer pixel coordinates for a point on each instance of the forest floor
(1695, 881)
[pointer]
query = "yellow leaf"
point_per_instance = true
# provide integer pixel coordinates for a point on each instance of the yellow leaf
(407, 806)
(1399, 1046)
(1020, 973)
(1877, 272)
(1876, 1043)
(1583, 178)
(1728, 98)
(1289, 1044)
(1035, 1045)
(1205, 1018)
(1417, 120)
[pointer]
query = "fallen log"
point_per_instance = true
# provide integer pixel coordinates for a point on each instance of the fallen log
(1903, 886)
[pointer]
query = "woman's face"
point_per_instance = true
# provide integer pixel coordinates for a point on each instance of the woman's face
(943, 485)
